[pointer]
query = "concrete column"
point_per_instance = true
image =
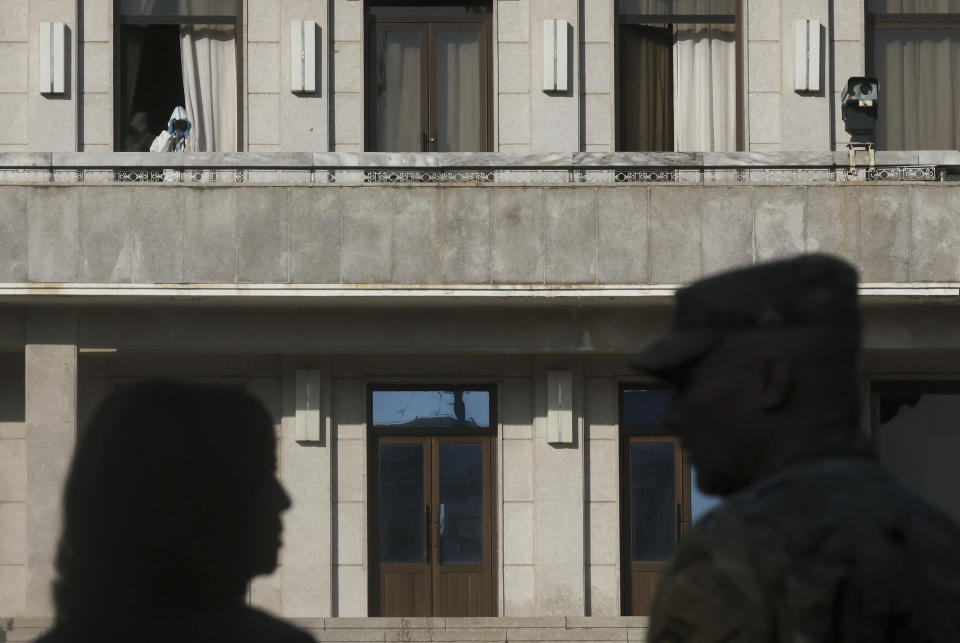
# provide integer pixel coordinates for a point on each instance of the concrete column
(14, 77)
(603, 497)
(307, 567)
(514, 75)
(559, 552)
(52, 118)
(50, 373)
(95, 71)
(804, 118)
(599, 51)
(304, 118)
(350, 497)
(348, 66)
(556, 118)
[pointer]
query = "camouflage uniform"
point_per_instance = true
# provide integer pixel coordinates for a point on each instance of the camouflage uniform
(829, 548)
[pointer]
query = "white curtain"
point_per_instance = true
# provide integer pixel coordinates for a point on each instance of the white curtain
(208, 58)
(919, 74)
(398, 92)
(704, 88)
(458, 92)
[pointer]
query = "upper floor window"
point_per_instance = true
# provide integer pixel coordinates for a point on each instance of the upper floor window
(172, 53)
(428, 76)
(913, 48)
(678, 79)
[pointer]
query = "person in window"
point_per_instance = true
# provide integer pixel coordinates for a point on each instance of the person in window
(171, 506)
(815, 541)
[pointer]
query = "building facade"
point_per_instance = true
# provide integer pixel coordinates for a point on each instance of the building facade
(428, 236)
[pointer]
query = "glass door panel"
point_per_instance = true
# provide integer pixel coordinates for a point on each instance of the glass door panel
(402, 537)
(656, 509)
(459, 108)
(403, 520)
(461, 503)
(653, 501)
(399, 84)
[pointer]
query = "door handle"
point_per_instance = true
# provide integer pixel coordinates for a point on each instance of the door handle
(426, 533)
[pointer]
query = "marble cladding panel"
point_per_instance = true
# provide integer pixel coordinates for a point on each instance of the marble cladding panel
(833, 221)
(884, 234)
(935, 234)
(675, 234)
(517, 246)
(727, 229)
(570, 235)
(778, 222)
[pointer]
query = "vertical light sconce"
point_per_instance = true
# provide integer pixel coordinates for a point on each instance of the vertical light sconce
(303, 56)
(808, 56)
(555, 46)
(52, 58)
(560, 407)
(308, 405)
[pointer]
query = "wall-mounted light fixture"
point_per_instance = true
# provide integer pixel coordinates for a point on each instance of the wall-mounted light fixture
(559, 407)
(308, 405)
(555, 49)
(52, 57)
(303, 56)
(808, 55)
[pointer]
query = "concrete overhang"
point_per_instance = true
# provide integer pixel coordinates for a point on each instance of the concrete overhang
(388, 295)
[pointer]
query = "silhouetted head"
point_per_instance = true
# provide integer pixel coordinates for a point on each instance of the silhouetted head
(763, 361)
(171, 502)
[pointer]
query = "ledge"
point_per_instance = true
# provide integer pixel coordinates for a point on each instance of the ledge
(445, 295)
(566, 160)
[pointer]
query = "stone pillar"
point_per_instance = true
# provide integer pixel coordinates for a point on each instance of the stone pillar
(599, 53)
(559, 552)
(305, 469)
(50, 373)
(348, 66)
(305, 118)
(52, 118)
(804, 117)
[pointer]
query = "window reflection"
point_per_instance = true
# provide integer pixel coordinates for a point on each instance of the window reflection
(652, 501)
(644, 407)
(432, 409)
(461, 503)
(700, 503)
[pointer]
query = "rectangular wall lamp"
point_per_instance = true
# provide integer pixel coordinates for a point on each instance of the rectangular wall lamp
(303, 56)
(52, 58)
(808, 55)
(308, 405)
(555, 51)
(559, 407)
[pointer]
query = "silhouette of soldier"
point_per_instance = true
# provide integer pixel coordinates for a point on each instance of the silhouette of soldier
(814, 542)
(171, 506)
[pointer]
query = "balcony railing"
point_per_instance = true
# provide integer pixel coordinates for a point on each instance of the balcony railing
(340, 168)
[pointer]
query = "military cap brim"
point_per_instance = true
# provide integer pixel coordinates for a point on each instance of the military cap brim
(678, 349)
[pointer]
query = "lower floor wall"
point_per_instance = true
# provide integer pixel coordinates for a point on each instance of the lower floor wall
(561, 512)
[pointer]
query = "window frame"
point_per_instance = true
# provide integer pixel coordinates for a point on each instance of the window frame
(735, 19)
(630, 434)
(427, 74)
(172, 19)
(378, 434)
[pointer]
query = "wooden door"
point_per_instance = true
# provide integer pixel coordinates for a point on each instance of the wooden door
(657, 512)
(434, 517)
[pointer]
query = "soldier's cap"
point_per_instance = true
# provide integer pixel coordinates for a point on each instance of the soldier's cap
(810, 291)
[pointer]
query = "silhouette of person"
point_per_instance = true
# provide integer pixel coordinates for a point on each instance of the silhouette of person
(814, 541)
(171, 506)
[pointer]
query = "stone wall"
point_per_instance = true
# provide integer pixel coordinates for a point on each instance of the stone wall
(408, 235)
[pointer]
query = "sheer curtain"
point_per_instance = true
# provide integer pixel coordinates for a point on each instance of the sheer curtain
(704, 88)
(398, 92)
(919, 74)
(458, 92)
(208, 58)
